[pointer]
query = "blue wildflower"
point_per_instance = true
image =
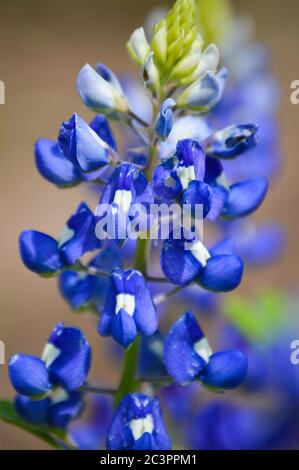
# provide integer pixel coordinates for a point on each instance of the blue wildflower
(184, 261)
(232, 141)
(129, 308)
(80, 150)
(48, 387)
(44, 255)
(188, 357)
(127, 195)
(82, 290)
(138, 425)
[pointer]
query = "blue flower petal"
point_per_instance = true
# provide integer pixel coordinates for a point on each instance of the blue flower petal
(164, 120)
(91, 151)
(33, 411)
(102, 128)
(28, 375)
(178, 264)
(232, 141)
(124, 328)
(226, 370)
(78, 290)
(80, 235)
(39, 252)
(223, 273)
(198, 194)
(54, 166)
(71, 366)
(60, 414)
(182, 362)
(145, 442)
(134, 407)
(245, 198)
(190, 153)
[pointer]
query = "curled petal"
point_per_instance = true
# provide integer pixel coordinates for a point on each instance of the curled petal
(226, 370)
(198, 194)
(182, 361)
(33, 411)
(164, 120)
(232, 141)
(73, 357)
(245, 198)
(54, 166)
(61, 413)
(28, 375)
(178, 264)
(79, 235)
(40, 252)
(223, 273)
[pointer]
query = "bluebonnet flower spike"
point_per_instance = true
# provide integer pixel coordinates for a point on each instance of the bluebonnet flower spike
(188, 356)
(138, 425)
(129, 309)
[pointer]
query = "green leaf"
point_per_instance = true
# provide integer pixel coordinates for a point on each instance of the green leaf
(9, 415)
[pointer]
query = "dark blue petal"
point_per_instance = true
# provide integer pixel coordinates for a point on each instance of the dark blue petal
(178, 264)
(145, 442)
(164, 120)
(214, 169)
(245, 198)
(71, 366)
(124, 328)
(54, 166)
(223, 273)
(145, 315)
(198, 194)
(39, 252)
(182, 362)
(161, 437)
(132, 407)
(80, 235)
(219, 198)
(166, 183)
(190, 153)
(78, 290)
(226, 370)
(60, 414)
(28, 375)
(101, 127)
(232, 141)
(33, 411)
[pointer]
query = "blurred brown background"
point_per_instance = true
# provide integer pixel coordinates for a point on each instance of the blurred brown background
(42, 47)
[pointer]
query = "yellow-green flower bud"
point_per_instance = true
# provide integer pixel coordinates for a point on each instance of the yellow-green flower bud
(208, 61)
(159, 42)
(138, 47)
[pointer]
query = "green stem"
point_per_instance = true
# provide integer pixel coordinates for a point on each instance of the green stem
(129, 383)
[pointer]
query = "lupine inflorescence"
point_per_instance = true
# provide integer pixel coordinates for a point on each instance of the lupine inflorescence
(181, 75)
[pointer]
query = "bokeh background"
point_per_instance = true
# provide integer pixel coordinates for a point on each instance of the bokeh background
(42, 47)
